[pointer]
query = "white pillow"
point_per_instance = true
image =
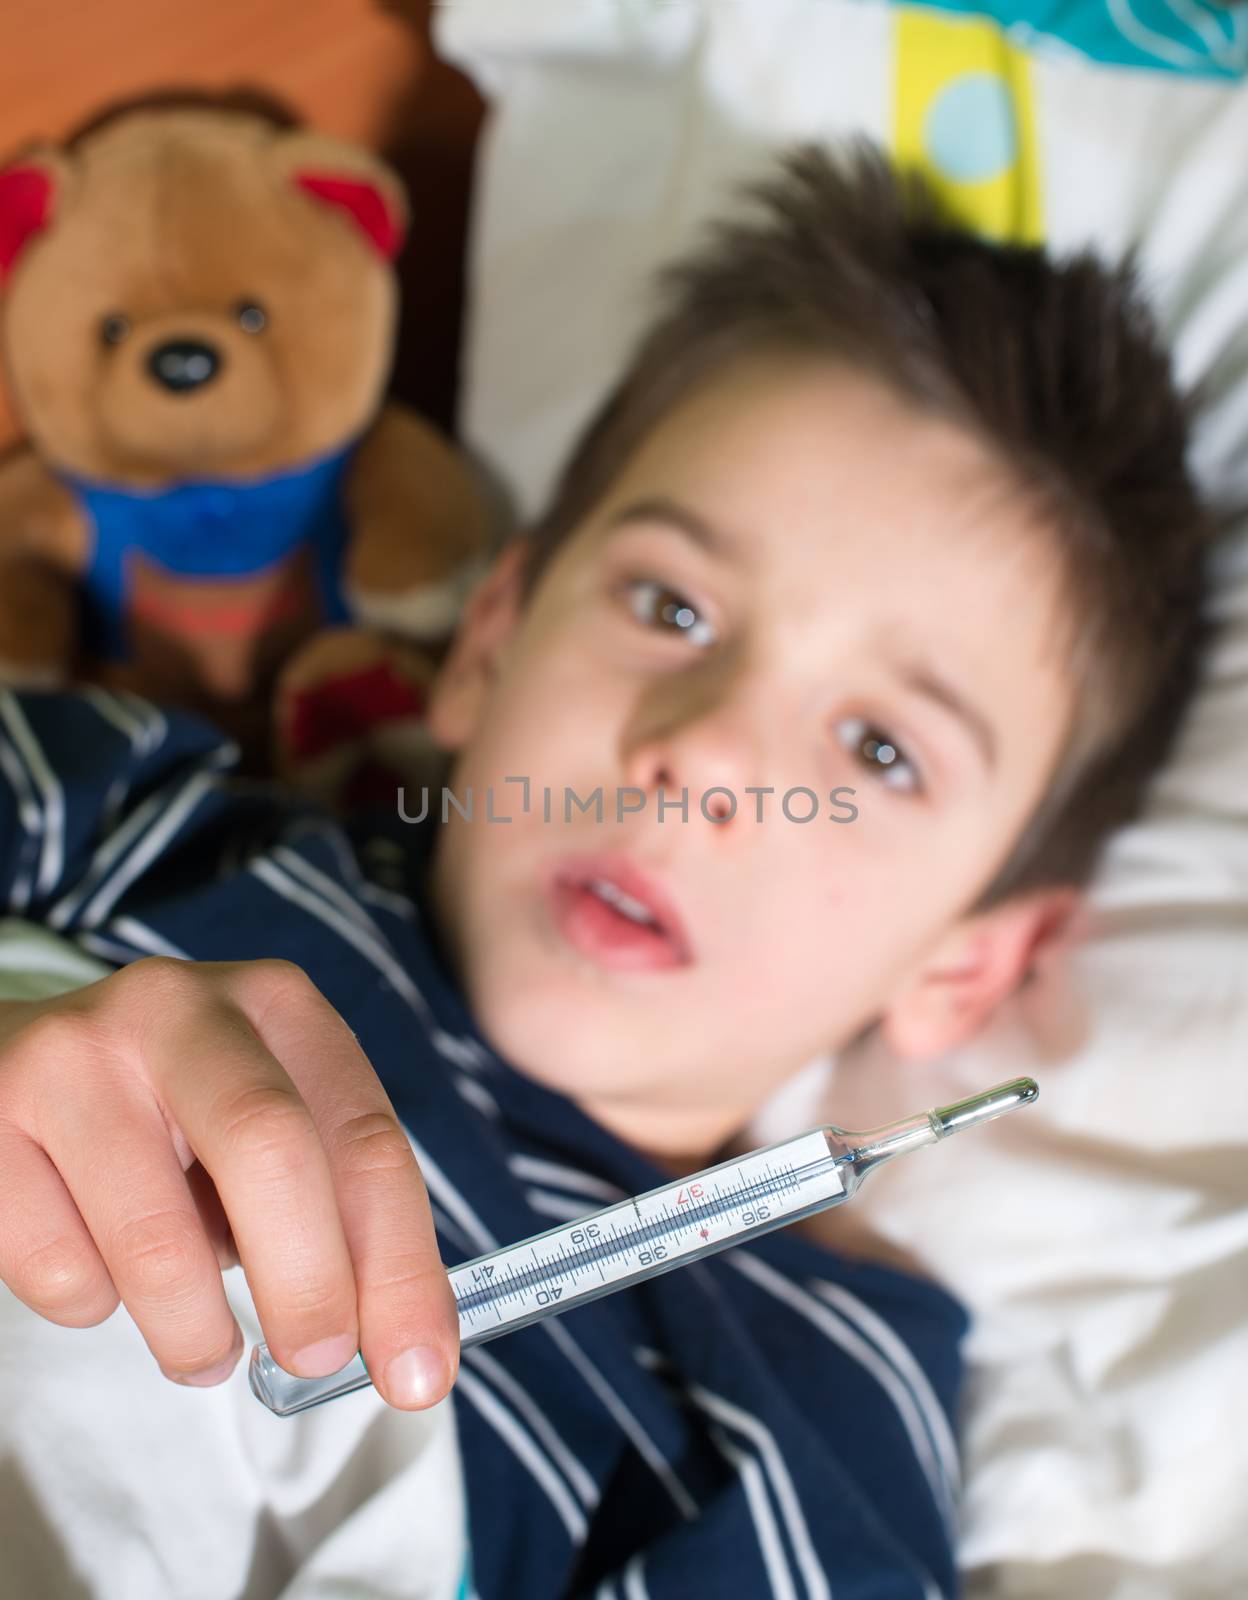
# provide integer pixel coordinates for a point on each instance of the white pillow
(1102, 1237)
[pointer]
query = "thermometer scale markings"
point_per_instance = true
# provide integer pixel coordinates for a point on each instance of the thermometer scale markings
(480, 1289)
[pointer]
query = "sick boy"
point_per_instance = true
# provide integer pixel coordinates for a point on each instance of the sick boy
(878, 510)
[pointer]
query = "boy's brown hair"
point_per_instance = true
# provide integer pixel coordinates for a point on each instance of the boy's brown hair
(1055, 366)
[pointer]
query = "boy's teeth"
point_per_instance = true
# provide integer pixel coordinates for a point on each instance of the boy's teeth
(605, 890)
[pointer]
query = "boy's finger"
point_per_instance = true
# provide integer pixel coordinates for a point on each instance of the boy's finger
(47, 1255)
(409, 1333)
(212, 1215)
(255, 1136)
(146, 1227)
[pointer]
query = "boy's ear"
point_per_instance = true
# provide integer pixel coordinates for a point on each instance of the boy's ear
(465, 679)
(976, 966)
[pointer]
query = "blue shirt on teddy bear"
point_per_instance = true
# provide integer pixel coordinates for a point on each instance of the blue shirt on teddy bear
(209, 529)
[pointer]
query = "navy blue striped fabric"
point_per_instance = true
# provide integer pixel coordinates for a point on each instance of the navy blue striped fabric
(774, 1421)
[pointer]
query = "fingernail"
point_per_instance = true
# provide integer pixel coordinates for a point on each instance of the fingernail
(326, 1356)
(416, 1377)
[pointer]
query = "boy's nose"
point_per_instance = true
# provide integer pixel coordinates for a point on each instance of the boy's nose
(708, 744)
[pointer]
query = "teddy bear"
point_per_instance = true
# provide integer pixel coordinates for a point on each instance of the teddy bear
(198, 317)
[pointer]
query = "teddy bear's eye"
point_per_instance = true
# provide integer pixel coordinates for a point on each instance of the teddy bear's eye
(251, 317)
(114, 328)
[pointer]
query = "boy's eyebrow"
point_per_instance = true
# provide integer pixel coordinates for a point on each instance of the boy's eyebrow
(923, 679)
(658, 508)
(916, 674)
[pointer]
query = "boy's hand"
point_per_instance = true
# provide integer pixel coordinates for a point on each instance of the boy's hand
(149, 1121)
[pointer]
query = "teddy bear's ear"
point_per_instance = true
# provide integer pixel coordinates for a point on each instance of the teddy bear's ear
(364, 203)
(349, 178)
(29, 191)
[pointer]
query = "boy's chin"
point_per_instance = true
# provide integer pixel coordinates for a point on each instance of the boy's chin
(576, 1042)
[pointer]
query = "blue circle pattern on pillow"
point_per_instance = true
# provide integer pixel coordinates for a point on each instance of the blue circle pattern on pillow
(970, 134)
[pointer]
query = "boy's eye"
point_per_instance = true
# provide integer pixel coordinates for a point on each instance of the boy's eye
(879, 753)
(656, 605)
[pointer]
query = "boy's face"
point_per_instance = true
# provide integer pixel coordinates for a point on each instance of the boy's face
(797, 580)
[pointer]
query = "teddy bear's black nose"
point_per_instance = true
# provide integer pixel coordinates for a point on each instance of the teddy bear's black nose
(183, 364)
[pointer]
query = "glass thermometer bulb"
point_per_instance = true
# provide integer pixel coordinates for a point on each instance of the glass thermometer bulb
(636, 1239)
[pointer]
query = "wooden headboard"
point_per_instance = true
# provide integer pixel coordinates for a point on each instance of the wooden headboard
(355, 68)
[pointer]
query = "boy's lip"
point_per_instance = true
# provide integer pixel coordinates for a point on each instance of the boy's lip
(574, 871)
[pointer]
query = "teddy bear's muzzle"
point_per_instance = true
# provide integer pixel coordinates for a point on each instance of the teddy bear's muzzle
(183, 365)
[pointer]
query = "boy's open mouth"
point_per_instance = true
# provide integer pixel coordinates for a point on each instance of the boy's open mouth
(608, 910)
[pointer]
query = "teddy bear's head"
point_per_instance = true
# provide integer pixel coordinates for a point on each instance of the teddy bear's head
(197, 293)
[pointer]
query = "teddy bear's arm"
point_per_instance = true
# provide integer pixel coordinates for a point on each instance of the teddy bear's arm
(43, 551)
(420, 528)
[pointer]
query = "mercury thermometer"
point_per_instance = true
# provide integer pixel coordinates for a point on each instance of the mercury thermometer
(671, 1226)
